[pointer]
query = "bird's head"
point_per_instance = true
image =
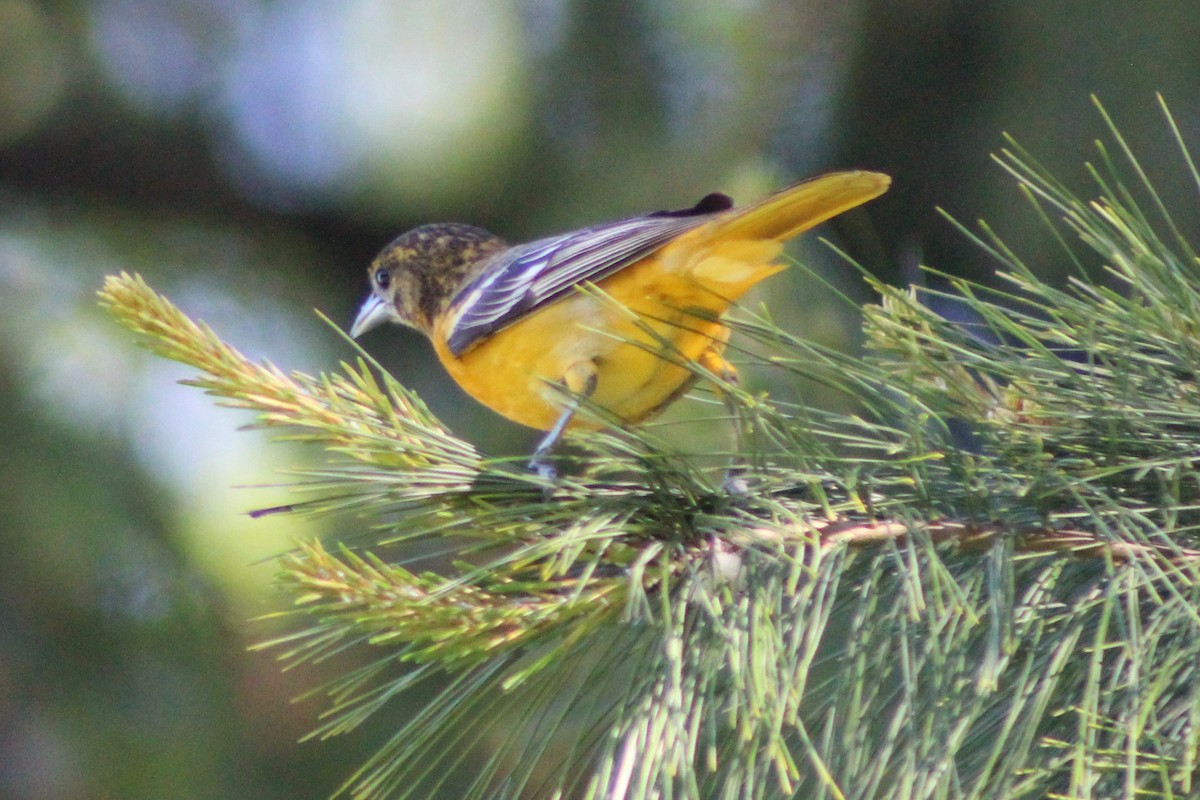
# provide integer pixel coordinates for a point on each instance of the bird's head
(414, 279)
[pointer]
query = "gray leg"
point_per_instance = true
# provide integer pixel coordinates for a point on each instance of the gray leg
(540, 463)
(580, 379)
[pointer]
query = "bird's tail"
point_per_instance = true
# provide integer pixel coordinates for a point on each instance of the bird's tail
(801, 206)
(738, 248)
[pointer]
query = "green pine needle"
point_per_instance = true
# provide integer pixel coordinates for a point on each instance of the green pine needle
(980, 582)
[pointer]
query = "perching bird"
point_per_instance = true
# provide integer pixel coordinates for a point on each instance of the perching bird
(612, 313)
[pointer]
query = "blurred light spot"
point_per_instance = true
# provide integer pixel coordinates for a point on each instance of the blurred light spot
(701, 48)
(33, 68)
(163, 53)
(329, 100)
(545, 24)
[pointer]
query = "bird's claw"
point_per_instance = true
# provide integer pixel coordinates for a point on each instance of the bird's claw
(541, 466)
(734, 483)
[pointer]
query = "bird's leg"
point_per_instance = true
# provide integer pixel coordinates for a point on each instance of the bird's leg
(540, 463)
(712, 360)
(580, 380)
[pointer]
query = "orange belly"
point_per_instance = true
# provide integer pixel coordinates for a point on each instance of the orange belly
(638, 330)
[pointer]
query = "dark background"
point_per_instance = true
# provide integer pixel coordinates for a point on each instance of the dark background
(249, 158)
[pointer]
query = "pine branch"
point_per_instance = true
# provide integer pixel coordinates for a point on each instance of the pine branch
(981, 583)
(382, 425)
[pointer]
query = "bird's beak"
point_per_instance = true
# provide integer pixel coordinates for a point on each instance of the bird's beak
(374, 312)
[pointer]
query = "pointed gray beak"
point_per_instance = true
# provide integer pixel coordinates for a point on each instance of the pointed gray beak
(374, 312)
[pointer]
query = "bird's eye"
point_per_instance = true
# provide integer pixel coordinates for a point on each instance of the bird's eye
(383, 279)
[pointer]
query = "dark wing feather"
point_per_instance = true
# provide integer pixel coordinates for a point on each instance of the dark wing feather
(532, 275)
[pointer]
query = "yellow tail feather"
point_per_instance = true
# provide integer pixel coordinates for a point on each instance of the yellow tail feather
(793, 210)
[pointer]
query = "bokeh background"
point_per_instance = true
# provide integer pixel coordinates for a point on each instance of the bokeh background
(249, 157)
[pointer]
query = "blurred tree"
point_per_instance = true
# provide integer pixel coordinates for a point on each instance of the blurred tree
(937, 82)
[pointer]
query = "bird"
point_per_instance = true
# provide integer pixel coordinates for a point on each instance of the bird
(615, 316)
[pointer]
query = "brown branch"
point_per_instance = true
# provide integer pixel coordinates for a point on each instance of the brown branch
(975, 537)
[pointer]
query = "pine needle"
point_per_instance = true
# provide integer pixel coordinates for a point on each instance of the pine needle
(981, 581)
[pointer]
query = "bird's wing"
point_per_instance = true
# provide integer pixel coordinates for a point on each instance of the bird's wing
(529, 276)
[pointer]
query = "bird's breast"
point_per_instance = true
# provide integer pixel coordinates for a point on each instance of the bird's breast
(635, 333)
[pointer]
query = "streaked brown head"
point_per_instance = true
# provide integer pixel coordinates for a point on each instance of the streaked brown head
(416, 276)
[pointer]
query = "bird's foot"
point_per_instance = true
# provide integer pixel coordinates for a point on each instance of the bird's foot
(734, 483)
(544, 469)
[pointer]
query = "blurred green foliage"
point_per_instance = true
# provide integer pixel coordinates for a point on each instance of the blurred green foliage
(249, 158)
